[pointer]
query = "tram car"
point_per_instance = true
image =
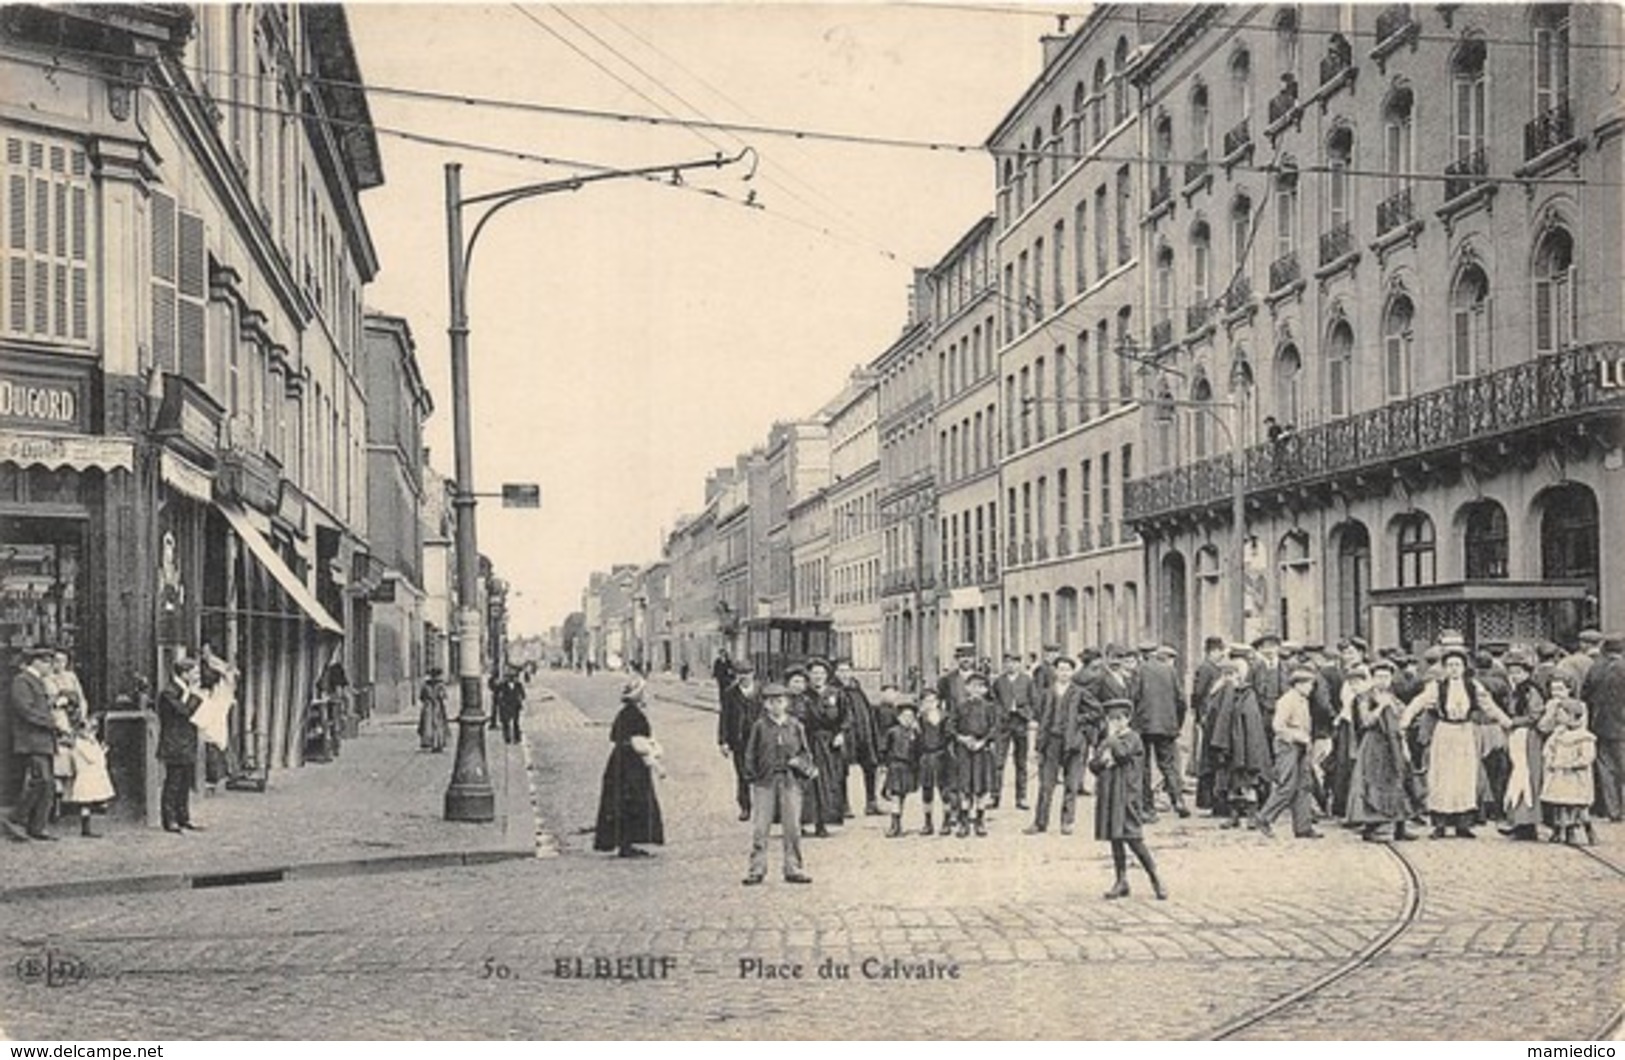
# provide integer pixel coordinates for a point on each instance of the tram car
(774, 645)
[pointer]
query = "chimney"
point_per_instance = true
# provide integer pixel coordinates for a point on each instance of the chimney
(919, 298)
(1053, 42)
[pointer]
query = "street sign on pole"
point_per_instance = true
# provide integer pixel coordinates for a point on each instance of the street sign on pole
(521, 495)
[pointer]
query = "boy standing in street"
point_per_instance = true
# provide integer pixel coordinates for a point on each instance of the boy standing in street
(774, 753)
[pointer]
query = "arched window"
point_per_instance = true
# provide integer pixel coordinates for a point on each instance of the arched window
(1555, 321)
(1353, 579)
(1120, 82)
(1201, 264)
(1165, 287)
(1484, 540)
(1340, 368)
(1288, 379)
(1245, 395)
(1397, 131)
(1241, 85)
(1396, 346)
(1286, 227)
(1201, 419)
(1125, 377)
(1417, 554)
(1006, 190)
(1570, 548)
(1469, 105)
(1470, 322)
(1035, 159)
(1097, 105)
(1339, 205)
(1057, 123)
(1162, 150)
(1080, 101)
(1201, 124)
(1241, 227)
(1286, 40)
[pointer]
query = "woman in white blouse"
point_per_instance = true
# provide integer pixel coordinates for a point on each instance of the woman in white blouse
(1455, 703)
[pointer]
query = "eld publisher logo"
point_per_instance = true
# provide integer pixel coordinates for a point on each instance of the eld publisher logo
(52, 968)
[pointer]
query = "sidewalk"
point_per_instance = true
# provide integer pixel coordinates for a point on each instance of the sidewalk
(377, 807)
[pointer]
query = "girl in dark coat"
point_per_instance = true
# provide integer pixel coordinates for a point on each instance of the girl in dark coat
(1380, 786)
(1119, 768)
(825, 721)
(1240, 746)
(628, 811)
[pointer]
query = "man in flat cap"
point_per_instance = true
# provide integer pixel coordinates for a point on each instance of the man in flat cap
(1290, 720)
(1013, 691)
(1207, 672)
(1063, 738)
(951, 688)
(1577, 663)
(775, 755)
(33, 741)
(1271, 674)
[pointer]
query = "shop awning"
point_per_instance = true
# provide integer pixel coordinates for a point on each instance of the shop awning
(1477, 592)
(273, 563)
(81, 452)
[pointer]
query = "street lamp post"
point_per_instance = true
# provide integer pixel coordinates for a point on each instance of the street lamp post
(470, 796)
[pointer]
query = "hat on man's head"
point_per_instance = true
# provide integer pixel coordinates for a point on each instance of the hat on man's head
(1303, 673)
(1614, 643)
(744, 668)
(1433, 654)
(976, 677)
(1357, 643)
(792, 671)
(1315, 646)
(1290, 647)
(967, 650)
(1167, 650)
(1382, 666)
(774, 688)
(1266, 638)
(1240, 651)
(821, 663)
(45, 651)
(1067, 659)
(1591, 636)
(1454, 649)
(1117, 706)
(1213, 644)
(1052, 647)
(906, 703)
(1012, 656)
(1518, 657)
(1547, 649)
(1088, 656)
(1146, 647)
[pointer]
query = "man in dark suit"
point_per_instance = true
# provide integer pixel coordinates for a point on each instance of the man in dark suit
(741, 706)
(1271, 675)
(177, 744)
(1207, 672)
(1604, 694)
(1013, 692)
(33, 739)
(1159, 711)
(1063, 736)
(951, 688)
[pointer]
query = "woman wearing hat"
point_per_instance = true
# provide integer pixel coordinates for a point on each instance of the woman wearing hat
(628, 809)
(432, 712)
(825, 720)
(1525, 742)
(1454, 703)
(1119, 765)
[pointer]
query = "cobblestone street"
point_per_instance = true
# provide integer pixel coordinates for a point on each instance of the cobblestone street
(1510, 940)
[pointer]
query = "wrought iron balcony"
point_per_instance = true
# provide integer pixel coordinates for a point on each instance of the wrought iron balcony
(1336, 243)
(1397, 209)
(1239, 136)
(1285, 271)
(1539, 393)
(1162, 334)
(1551, 127)
(1282, 102)
(1238, 294)
(1393, 20)
(1196, 168)
(1339, 57)
(1163, 189)
(1197, 316)
(1465, 174)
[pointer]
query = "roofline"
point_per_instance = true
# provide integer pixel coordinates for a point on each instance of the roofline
(1043, 81)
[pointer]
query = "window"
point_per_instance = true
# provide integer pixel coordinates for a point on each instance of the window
(1286, 40)
(1470, 104)
(1286, 213)
(1551, 58)
(1288, 376)
(1103, 365)
(1060, 389)
(1085, 505)
(979, 450)
(1201, 264)
(1340, 367)
(1080, 101)
(1004, 192)
(1059, 250)
(1038, 397)
(1026, 408)
(1009, 409)
(1339, 152)
(1417, 557)
(1120, 99)
(1241, 227)
(1201, 419)
(1396, 347)
(1470, 322)
(1080, 244)
(1010, 508)
(1397, 136)
(1241, 86)
(1105, 495)
(1125, 378)
(1555, 319)
(1201, 123)
(1038, 282)
(1097, 105)
(1043, 515)
(1057, 121)
(1125, 192)
(1485, 541)
(1083, 375)
(46, 241)
(1162, 150)
(1023, 292)
(1035, 161)
(1102, 262)
(1165, 285)
(1026, 516)
(1010, 297)
(1062, 516)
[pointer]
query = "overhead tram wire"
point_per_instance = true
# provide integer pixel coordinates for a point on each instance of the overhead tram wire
(862, 139)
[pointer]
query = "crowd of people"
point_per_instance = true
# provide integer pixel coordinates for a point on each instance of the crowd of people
(1452, 740)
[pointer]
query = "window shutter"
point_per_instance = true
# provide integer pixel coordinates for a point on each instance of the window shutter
(163, 282)
(1543, 316)
(1568, 317)
(192, 290)
(1462, 343)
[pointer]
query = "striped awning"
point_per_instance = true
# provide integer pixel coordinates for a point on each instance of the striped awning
(81, 452)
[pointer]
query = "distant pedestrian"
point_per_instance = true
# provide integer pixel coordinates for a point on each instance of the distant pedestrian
(1119, 788)
(508, 695)
(776, 757)
(628, 808)
(1239, 745)
(432, 712)
(722, 671)
(1159, 714)
(177, 744)
(1604, 696)
(741, 706)
(1013, 692)
(33, 740)
(862, 744)
(1065, 730)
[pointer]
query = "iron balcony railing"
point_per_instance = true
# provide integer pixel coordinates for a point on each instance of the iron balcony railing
(1554, 388)
(1163, 189)
(1336, 243)
(1397, 209)
(1465, 174)
(1553, 126)
(1391, 20)
(1162, 334)
(1338, 57)
(1282, 102)
(1197, 316)
(1196, 168)
(1238, 294)
(1239, 136)
(1285, 271)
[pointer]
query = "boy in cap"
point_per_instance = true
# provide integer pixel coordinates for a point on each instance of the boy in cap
(1013, 690)
(974, 734)
(776, 749)
(901, 751)
(934, 763)
(1291, 725)
(1119, 813)
(1063, 738)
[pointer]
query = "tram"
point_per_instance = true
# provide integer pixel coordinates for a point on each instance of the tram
(774, 645)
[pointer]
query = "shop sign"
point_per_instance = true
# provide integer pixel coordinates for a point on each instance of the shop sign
(47, 404)
(291, 507)
(250, 479)
(80, 452)
(189, 417)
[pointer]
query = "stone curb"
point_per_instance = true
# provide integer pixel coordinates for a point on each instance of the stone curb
(316, 870)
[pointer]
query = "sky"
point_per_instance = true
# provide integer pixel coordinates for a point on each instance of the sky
(628, 337)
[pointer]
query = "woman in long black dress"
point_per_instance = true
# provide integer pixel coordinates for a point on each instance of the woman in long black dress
(628, 810)
(825, 801)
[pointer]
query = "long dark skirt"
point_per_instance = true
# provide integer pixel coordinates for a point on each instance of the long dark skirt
(824, 798)
(628, 811)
